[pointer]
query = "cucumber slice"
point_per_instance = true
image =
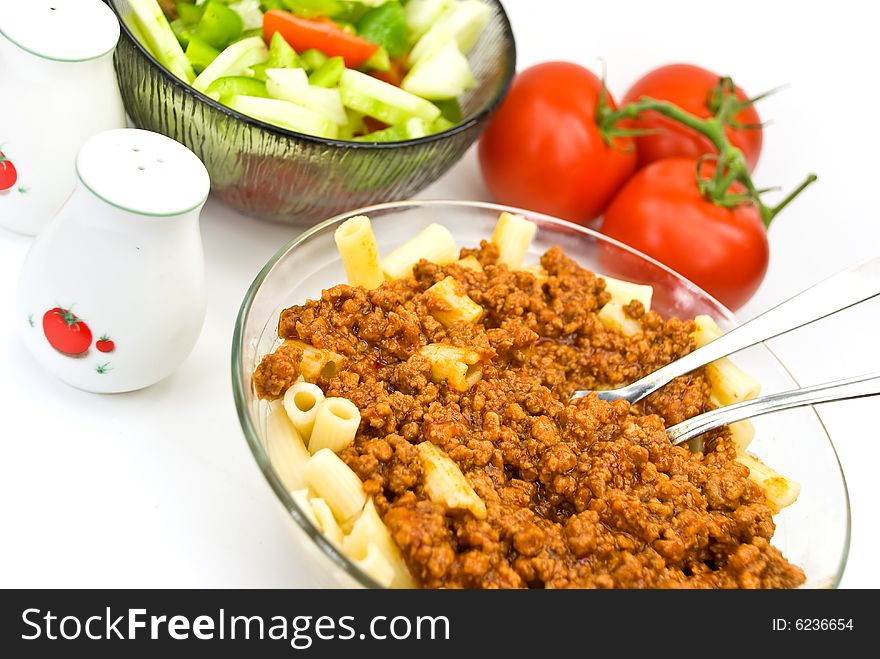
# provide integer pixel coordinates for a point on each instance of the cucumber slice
(371, 3)
(327, 102)
(355, 125)
(233, 61)
(159, 38)
(312, 59)
(450, 109)
(329, 73)
(200, 54)
(379, 61)
(314, 8)
(440, 124)
(382, 101)
(292, 85)
(285, 114)
(422, 14)
(182, 32)
(281, 54)
(464, 22)
(410, 130)
(285, 83)
(237, 86)
(445, 74)
(249, 11)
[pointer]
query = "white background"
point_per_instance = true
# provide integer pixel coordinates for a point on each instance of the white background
(157, 488)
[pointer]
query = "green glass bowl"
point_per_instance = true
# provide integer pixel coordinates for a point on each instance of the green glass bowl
(290, 177)
(813, 532)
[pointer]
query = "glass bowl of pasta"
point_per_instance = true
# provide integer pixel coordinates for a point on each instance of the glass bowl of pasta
(402, 374)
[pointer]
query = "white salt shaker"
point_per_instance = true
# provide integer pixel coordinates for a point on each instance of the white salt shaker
(58, 89)
(112, 293)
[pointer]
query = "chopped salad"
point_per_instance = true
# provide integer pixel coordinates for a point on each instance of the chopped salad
(363, 70)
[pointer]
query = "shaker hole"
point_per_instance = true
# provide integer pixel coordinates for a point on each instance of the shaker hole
(141, 167)
(135, 149)
(161, 161)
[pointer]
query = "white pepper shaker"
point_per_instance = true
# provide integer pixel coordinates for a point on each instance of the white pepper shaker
(112, 293)
(58, 89)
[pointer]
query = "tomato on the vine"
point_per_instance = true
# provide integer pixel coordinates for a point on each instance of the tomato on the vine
(543, 149)
(662, 213)
(691, 88)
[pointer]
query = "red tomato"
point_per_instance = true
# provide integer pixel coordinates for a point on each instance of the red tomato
(324, 35)
(690, 88)
(8, 175)
(65, 332)
(105, 344)
(661, 212)
(543, 149)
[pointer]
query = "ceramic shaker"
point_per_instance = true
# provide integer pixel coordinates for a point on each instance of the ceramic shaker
(112, 293)
(58, 89)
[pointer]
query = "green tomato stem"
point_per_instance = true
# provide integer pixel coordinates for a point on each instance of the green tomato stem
(731, 166)
(774, 211)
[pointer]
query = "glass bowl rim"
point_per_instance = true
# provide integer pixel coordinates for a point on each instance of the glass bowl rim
(510, 44)
(252, 436)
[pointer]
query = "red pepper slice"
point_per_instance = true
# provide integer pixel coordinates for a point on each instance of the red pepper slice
(323, 35)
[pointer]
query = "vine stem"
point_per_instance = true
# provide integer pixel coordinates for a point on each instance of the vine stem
(730, 161)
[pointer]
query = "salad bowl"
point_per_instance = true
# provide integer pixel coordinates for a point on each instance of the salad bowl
(281, 175)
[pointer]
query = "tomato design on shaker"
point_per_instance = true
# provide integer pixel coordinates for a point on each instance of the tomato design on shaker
(8, 175)
(66, 332)
(105, 344)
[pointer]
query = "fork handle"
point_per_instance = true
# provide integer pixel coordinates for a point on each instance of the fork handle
(841, 291)
(857, 387)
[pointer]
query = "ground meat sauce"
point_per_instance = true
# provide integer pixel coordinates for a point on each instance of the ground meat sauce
(581, 494)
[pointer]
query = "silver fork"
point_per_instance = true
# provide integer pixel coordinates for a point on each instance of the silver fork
(857, 387)
(855, 284)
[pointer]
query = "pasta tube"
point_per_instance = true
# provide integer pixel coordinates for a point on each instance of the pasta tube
(376, 564)
(316, 362)
(444, 483)
(730, 384)
(470, 263)
(336, 483)
(326, 522)
(369, 530)
(302, 500)
(707, 330)
(779, 490)
(741, 432)
(434, 243)
(336, 424)
(457, 367)
(613, 317)
(301, 402)
(285, 448)
(448, 306)
(624, 292)
(512, 236)
(356, 243)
